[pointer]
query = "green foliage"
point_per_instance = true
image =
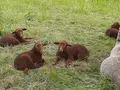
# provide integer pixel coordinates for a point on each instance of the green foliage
(106, 84)
(76, 21)
(1, 22)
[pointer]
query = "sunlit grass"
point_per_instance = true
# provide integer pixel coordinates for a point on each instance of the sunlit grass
(76, 21)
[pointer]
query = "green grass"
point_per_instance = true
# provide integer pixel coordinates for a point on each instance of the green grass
(76, 21)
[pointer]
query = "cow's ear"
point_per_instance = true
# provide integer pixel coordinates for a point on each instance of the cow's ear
(24, 29)
(44, 44)
(13, 32)
(56, 42)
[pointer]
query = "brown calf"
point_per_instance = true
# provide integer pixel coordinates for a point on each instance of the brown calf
(70, 52)
(13, 39)
(31, 59)
(113, 31)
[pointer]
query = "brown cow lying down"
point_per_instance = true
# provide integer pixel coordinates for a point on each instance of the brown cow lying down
(13, 39)
(113, 31)
(70, 52)
(31, 59)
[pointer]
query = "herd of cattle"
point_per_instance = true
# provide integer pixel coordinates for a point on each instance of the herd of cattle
(33, 58)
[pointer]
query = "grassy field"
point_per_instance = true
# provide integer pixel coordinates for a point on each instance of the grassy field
(76, 21)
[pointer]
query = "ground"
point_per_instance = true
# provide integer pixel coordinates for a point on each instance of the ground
(76, 21)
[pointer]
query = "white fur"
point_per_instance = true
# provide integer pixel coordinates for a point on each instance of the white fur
(111, 65)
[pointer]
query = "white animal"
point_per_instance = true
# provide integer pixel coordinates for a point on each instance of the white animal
(111, 66)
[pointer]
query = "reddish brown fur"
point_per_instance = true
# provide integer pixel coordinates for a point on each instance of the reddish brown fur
(13, 39)
(116, 25)
(31, 59)
(113, 31)
(70, 52)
